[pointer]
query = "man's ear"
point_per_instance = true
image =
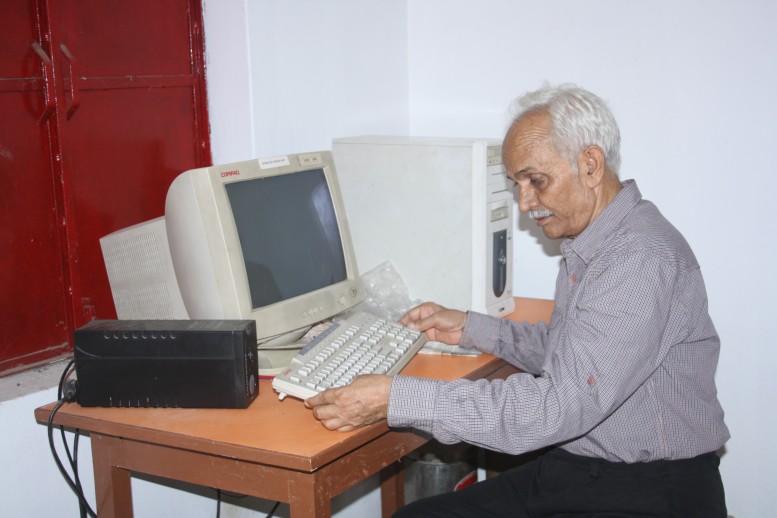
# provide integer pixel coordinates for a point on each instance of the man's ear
(591, 164)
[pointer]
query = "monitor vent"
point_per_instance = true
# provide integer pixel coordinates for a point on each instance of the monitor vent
(141, 273)
(143, 303)
(136, 256)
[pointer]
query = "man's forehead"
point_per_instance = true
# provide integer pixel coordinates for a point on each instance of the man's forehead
(530, 131)
(535, 123)
(523, 149)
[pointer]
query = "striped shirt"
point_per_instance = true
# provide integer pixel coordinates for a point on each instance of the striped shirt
(624, 371)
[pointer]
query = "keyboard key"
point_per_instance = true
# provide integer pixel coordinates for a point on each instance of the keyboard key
(361, 344)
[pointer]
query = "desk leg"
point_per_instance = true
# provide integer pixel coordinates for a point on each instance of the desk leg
(392, 489)
(308, 499)
(113, 485)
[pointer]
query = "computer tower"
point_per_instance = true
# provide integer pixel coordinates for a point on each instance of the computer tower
(438, 209)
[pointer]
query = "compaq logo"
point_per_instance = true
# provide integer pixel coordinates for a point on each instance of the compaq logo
(230, 173)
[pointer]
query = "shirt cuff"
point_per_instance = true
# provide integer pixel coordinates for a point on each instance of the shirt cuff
(482, 332)
(411, 402)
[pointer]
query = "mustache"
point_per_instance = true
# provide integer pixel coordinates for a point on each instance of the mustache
(539, 213)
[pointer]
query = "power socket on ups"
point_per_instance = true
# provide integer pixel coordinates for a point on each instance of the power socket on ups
(167, 363)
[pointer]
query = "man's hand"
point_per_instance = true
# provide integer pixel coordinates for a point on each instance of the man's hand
(440, 324)
(363, 402)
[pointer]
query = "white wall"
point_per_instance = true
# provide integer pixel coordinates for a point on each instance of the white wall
(690, 83)
(228, 72)
(326, 69)
(286, 77)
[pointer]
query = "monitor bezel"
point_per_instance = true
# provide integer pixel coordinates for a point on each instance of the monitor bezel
(198, 212)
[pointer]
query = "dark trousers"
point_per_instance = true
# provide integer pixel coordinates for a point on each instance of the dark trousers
(559, 484)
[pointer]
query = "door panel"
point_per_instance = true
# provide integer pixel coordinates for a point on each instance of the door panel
(126, 147)
(128, 38)
(129, 80)
(103, 104)
(32, 280)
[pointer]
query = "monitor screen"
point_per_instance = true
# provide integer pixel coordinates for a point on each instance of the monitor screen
(288, 234)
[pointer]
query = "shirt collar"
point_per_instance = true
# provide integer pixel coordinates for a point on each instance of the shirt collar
(588, 242)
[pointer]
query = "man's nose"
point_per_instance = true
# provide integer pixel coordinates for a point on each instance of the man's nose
(527, 199)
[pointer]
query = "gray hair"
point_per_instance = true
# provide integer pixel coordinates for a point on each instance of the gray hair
(578, 119)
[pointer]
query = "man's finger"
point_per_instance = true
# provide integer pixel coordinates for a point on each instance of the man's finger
(325, 412)
(322, 398)
(336, 423)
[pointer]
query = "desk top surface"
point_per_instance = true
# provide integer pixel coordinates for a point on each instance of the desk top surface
(282, 433)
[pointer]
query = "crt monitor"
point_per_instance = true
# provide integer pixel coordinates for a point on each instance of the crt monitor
(263, 239)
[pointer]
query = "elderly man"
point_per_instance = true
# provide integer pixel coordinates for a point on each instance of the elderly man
(620, 384)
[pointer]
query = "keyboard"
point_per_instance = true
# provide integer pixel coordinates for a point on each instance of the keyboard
(360, 344)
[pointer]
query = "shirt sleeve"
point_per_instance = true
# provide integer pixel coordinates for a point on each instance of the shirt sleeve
(521, 344)
(606, 345)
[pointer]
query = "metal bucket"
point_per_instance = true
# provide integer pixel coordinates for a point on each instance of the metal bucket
(437, 468)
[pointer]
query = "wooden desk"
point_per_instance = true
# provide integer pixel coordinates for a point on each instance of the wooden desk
(274, 449)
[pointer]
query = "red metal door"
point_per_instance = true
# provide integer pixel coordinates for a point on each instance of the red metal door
(127, 83)
(33, 286)
(131, 81)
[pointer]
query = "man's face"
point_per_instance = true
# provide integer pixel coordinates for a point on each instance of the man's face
(549, 190)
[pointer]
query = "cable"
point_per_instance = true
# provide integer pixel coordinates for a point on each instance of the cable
(75, 487)
(63, 377)
(73, 461)
(66, 392)
(74, 464)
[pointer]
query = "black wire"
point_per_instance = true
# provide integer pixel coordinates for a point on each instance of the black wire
(72, 459)
(73, 486)
(62, 378)
(272, 511)
(64, 396)
(75, 472)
